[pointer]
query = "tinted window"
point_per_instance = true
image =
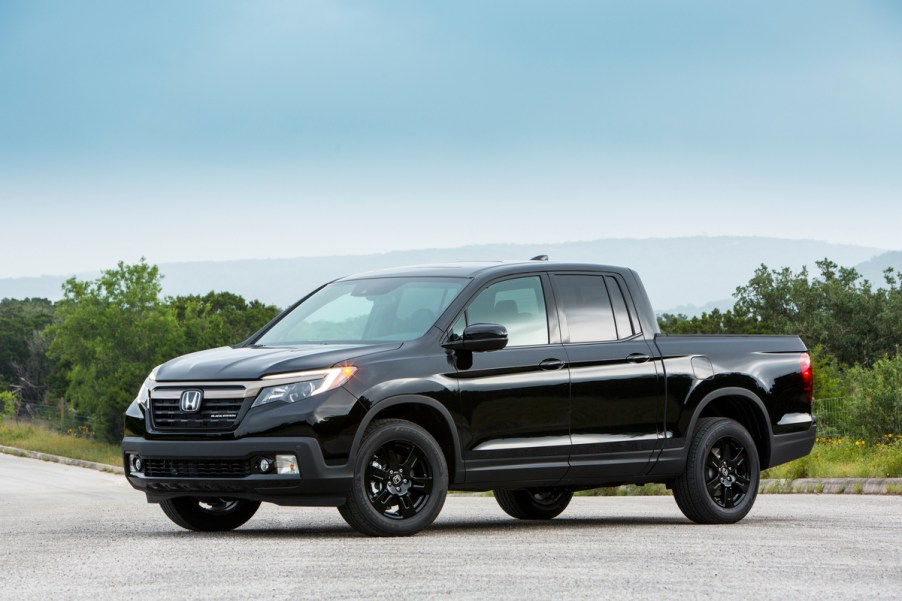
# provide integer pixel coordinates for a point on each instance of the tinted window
(586, 307)
(366, 310)
(625, 327)
(518, 305)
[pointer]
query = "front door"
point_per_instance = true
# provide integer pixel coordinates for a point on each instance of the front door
(516, 400)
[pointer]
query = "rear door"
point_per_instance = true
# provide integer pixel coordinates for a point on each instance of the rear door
(516, 400)
(617, 397)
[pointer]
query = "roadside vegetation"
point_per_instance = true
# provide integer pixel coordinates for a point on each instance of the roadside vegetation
(846, 458)
(852, 327)
(75, 444)
(80, 361)
(627, 490)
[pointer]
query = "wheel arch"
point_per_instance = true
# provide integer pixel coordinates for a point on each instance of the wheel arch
(426, 413)
(743, 406)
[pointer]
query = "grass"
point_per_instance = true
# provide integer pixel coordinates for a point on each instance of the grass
(627, 490)
(845, 458)
(75, 444)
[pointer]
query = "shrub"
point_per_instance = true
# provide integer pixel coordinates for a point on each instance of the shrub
(9, 404)
(876, 397)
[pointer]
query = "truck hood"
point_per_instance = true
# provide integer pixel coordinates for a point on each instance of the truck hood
(252, 363)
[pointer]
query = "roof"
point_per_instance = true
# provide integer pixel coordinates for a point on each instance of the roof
(470, 269)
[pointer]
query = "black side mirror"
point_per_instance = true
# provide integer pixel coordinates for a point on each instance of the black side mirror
(480, 337)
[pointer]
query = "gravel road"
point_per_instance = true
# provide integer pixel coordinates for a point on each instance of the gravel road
(72, 533)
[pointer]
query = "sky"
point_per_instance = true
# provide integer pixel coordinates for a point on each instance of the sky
(219, 129)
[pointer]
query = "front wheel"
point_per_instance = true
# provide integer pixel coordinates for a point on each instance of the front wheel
(722, 473)
(533, 503)
(400, 480)
(209, 514)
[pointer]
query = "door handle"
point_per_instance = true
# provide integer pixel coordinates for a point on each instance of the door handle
(551, 364)
(637, 358)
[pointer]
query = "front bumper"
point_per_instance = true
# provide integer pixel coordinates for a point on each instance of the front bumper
(317, 484)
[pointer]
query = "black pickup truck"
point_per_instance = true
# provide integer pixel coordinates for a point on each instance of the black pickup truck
(377, 393)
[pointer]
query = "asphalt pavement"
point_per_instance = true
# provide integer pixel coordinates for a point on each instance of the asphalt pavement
(72, 533)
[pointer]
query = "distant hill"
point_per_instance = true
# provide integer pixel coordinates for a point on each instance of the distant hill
(872, 270)
(678, 272)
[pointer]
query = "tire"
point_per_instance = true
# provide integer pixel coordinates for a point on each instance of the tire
(400, 480)
(720, 483)
(209, 514)
(533, 503)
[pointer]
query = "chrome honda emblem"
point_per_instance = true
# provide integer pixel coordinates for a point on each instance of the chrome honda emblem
(190, 400)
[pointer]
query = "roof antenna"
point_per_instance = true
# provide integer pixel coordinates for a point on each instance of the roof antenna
(539, 258)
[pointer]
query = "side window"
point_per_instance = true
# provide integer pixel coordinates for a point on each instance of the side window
(457, 330)
(625, 326)
(518, 305)
(586, 307)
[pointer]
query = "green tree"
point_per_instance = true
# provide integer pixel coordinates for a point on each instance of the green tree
(219, 319)
(846, 316)
(852, 320)
(715, 322)
(20, 321)
(109, 333)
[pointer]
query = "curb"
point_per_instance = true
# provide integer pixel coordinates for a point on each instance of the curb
(91, 465)
(833, 486)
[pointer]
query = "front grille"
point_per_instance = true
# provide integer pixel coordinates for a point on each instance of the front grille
(190, 468)
(214, 414)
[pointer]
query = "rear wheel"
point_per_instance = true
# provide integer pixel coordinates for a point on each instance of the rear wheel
(533, 503)
(400, 480)
(209, 514)
(720, 483)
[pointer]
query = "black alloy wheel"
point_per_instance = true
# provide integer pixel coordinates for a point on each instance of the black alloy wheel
(400, 480)
(209, 514)
(533, 503)
(727, 472)
(720, 483)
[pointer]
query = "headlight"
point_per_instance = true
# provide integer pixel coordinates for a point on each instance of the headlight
(143, 397)
(306, 385)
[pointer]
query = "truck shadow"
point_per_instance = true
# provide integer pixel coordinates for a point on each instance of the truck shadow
(339, 530)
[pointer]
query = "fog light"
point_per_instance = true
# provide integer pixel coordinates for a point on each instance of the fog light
(287, 464)
(137, 463)
(264, 464)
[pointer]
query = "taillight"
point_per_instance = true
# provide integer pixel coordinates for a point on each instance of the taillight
(807, 376)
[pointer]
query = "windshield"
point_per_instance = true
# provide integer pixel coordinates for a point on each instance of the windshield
(369, 310)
